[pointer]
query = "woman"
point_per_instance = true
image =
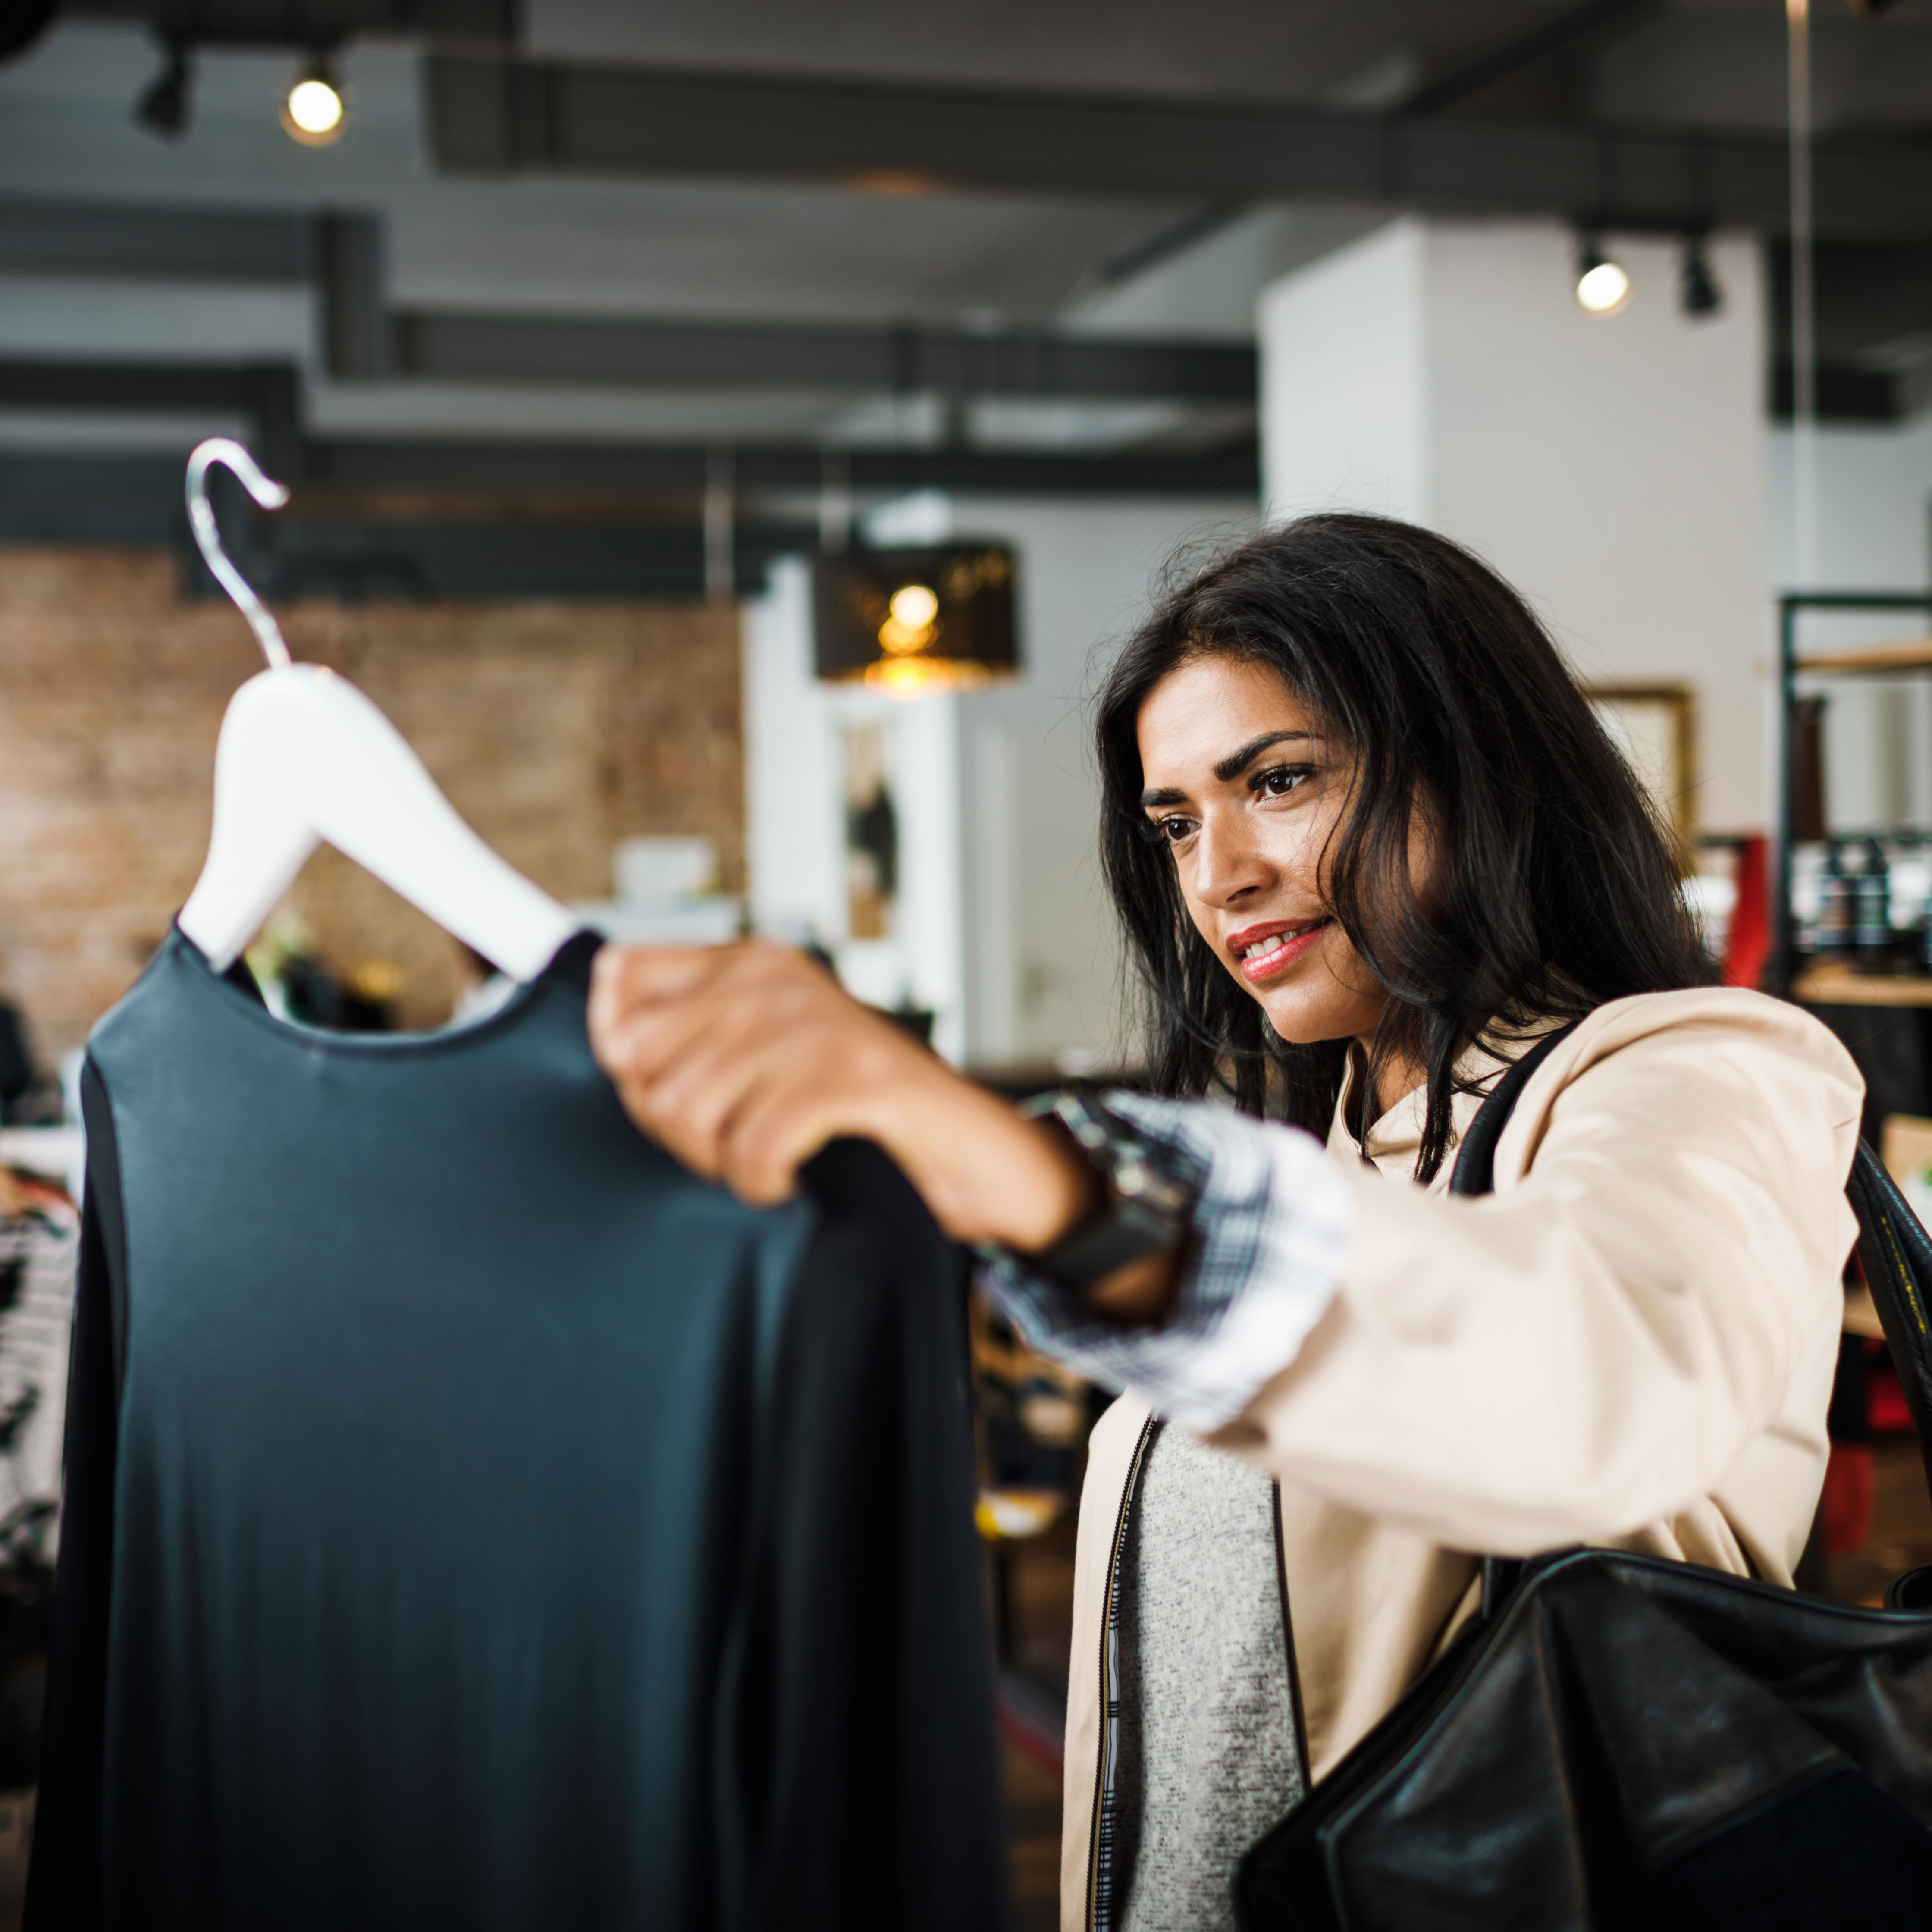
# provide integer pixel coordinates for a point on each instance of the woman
(1368, 843)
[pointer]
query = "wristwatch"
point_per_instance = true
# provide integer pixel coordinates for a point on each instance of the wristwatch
(1147, 1208)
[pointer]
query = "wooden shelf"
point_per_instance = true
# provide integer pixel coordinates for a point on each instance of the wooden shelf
(1839, 986)
(1908, 654)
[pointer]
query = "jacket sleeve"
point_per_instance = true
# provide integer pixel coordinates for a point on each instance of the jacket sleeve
(1270, 1225)
(1590, 1348)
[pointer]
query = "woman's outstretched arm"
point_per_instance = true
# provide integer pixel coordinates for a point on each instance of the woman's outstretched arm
(744, 1061)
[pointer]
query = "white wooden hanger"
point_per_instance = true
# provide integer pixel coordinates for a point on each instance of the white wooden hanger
(305, 758)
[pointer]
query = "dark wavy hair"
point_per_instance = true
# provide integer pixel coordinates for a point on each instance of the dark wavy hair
(1554, 887)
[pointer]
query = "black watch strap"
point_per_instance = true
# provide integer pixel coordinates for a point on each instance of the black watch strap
(1147, 1207)
(1121, 1232)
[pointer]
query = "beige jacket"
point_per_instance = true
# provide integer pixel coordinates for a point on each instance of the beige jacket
(1630, 1342)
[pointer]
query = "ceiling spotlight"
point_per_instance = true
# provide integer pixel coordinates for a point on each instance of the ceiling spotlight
(164, 109)
(1699, 289)
(313, 111)
(1603, 287)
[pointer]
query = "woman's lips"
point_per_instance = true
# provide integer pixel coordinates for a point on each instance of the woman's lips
(1261, 952)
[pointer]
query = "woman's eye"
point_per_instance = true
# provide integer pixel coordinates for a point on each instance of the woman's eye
(1172, 829)
(1282, 779)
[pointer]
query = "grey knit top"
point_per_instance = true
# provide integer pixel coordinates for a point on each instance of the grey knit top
(1208, 1758)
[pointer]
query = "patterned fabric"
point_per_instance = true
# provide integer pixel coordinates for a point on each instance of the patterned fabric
(1207, 1758)
(1272, 1222)
(37, 1255)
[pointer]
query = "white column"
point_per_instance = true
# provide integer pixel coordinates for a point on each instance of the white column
(795, 809)
(1344, 394)
(1613, 468)
(1003, 927)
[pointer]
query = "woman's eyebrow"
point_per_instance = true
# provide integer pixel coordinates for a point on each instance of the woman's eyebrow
(1236, 763)
(1230, 767)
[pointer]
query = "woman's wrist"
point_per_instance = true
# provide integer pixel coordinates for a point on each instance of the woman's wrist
(988, 1174)
(1124, 1261)
(993, 1175)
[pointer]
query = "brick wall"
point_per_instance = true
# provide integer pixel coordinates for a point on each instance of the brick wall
(556, 730)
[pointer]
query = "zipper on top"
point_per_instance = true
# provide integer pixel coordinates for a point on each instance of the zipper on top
(1103, 1835)
(1287, 1641)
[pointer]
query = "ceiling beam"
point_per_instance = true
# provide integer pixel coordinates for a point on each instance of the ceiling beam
(309, 23)
(1568, 30)
(270, 395)
(181, 388)
(1870, 294)
(176, 244)
(657, 469)
(458, 347)
(1565, 30)
(335, 551)
(488, 114)
(342, 256)
(1869, 300)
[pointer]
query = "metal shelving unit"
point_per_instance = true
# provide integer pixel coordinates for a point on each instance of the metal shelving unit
(1831, 984)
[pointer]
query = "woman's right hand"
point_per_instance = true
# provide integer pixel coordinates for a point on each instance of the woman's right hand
(744, 1059)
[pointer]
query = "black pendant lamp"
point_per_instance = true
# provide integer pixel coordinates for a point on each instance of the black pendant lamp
(911, 622)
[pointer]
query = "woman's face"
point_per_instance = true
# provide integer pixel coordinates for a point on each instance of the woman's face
(1243, 786)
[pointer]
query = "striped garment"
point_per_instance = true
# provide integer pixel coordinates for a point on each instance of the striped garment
(38, 1253)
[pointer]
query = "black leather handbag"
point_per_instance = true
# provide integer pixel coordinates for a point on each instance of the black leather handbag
(1618, 1741)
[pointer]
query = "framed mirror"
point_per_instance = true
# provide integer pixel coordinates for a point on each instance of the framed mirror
(1655, 728)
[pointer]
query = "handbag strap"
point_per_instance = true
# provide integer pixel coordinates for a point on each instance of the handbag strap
(1475, 1173)
(1475, 1169)
(1897, 1255)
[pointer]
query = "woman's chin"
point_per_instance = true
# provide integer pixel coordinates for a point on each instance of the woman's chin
(1311, 1005)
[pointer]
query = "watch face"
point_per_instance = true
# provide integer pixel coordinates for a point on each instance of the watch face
(1130, 1164)
(1107, 1241)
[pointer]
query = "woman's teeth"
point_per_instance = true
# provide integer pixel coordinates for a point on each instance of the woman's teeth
(1262, 948)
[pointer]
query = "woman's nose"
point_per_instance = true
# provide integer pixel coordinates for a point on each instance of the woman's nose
(1227, 866)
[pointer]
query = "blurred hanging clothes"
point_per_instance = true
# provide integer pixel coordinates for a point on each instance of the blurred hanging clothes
(40, 1239)
(474, 1520)
(17, 1064)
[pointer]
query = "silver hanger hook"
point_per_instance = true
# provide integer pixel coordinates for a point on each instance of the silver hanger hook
(271, 496)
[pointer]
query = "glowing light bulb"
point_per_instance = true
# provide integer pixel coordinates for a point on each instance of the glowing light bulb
(1603, 289)
(915, 606)
(911, 620)
(313, 111)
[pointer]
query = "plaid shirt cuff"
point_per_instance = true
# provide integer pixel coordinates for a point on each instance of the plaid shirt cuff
(1272, 1220)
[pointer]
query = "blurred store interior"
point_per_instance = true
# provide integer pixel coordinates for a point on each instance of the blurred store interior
(591, 325)
(605, 349)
